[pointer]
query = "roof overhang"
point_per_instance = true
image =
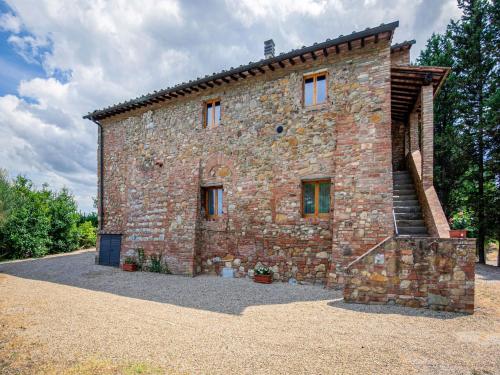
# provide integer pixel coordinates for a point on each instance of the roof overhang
(298, 56)
(398, 47)
(406, 82)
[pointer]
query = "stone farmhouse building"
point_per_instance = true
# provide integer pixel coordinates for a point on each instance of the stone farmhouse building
(315, 162)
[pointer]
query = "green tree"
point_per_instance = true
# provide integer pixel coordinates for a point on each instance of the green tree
(467, 117)
(25, 232)
(63, 214)
(5, 197)
(477, 64)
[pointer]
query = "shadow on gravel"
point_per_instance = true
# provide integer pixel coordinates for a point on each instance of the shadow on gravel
(487, 272)
(394, 310)
(229, 296)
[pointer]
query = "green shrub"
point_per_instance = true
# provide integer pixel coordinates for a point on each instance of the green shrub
(156, 264)
(63, 214)
(87, 235)
(141, 258)
(25, 231)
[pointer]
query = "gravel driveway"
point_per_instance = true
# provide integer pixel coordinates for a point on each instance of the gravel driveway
(63, 314)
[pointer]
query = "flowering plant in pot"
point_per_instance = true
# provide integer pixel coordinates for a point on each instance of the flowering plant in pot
(129, 264)
(263, 274)
(460, 223)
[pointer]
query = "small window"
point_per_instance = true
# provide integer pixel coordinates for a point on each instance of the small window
(212, 114)
(315, 89)
(212, 201)
(316, 198)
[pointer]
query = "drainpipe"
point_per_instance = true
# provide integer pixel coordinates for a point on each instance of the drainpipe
(101, 173)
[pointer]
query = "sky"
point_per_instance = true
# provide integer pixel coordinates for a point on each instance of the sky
(62, 59)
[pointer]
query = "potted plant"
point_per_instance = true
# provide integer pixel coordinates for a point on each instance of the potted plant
(459, 224)
(129, 264)
(263, 275)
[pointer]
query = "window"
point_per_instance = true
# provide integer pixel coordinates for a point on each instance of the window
(212, 114)
(315, 89)
(316, 198)
(212, 202)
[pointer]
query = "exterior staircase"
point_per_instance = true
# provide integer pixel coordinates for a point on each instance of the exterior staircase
(407, 211)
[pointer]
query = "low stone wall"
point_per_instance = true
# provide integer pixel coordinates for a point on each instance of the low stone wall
(434, 273)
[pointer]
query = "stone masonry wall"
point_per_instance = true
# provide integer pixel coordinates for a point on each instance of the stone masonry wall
(398, 146)
(401, 57)
(157, 161)
(434, 273)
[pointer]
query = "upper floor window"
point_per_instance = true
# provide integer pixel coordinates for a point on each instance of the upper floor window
(315, 89)
(316, 198)
(213, 199)
(212, 114)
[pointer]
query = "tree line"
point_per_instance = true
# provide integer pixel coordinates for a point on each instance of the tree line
(466, 119)
(36, 222)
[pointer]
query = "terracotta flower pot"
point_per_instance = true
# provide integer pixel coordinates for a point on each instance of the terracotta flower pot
(129, 267)
(263, 279)
(458, 233)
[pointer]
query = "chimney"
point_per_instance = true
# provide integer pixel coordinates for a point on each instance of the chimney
(269, 49)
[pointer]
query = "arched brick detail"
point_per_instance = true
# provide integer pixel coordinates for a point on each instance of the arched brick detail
(216, 161)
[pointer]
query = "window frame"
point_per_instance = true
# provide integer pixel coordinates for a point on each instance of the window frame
(314, 76)
(213, 124)
(206, 192)
(316, 213)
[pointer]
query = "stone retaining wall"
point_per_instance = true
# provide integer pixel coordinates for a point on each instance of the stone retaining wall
(435, 273)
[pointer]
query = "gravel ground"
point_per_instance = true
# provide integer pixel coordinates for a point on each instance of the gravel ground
(63, 313)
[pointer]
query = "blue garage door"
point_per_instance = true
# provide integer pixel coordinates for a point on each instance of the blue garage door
(109, 250)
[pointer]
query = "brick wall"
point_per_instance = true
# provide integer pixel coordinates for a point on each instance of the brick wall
(157, 161)
(398, 146)
(401, 57)
(434, 273)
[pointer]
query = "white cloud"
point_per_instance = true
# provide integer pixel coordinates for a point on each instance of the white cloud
(9, 22)
(96, 53)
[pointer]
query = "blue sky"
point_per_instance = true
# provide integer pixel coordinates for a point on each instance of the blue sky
(62, 59)
(13, 67)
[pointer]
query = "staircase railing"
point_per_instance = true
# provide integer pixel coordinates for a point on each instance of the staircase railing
(395, 225)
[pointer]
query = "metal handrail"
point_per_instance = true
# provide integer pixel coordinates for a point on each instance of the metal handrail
(395, 225)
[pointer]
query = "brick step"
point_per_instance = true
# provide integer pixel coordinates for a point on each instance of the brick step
(404, 210)
(412, 230)
(408, 216)
(410, 223)
(400, 176)
(407, 197)
(402, 181)
(403, 192)
(407, 203)
(408, 186)
(413, 235)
